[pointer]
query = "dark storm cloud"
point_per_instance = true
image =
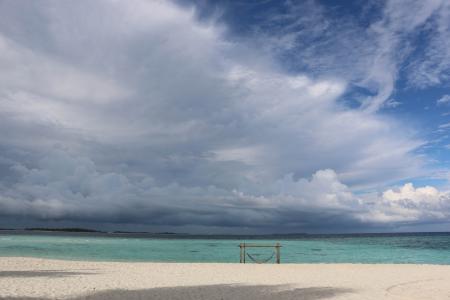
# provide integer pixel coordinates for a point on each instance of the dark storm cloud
(136, 113)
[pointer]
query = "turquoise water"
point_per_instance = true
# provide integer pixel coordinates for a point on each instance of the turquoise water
(423, 249)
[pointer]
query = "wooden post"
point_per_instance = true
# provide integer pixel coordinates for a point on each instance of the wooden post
(244, 253)
(278, 253)
(240, 250)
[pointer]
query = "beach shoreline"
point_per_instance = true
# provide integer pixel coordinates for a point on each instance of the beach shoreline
(219, 263)
(38, 278)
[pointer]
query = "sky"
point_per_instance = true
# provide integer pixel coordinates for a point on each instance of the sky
(225, 116)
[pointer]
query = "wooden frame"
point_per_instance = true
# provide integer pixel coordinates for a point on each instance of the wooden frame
(244, 246)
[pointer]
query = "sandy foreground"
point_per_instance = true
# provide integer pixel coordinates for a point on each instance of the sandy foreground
(32, 278)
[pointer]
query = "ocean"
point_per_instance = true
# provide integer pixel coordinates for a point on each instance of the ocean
(411, 248)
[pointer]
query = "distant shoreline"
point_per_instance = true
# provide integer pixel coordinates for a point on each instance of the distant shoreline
(270, 235)
(80, 230)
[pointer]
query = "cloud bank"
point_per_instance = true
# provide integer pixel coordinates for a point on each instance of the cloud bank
(66, 188)
(138, 113)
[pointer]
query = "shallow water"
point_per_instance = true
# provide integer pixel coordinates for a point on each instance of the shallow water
(411, 248)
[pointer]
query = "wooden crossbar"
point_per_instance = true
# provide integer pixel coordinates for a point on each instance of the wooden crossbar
(256, 245)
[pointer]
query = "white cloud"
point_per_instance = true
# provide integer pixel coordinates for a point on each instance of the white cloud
(443, 126)
(391, 36)
(409, 205)
(392, 103)
(444, 100)
(426, 194)
(433, 66)
(44, 76)
(248, 155)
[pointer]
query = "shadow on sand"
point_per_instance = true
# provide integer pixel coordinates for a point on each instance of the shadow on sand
(215, 292)
(42, 273)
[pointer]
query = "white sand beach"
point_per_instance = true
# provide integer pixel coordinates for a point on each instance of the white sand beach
(32, 278)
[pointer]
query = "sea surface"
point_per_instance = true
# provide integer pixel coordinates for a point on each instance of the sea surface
(415, 248)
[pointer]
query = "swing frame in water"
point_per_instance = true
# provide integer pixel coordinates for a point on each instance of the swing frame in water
(243, 252)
